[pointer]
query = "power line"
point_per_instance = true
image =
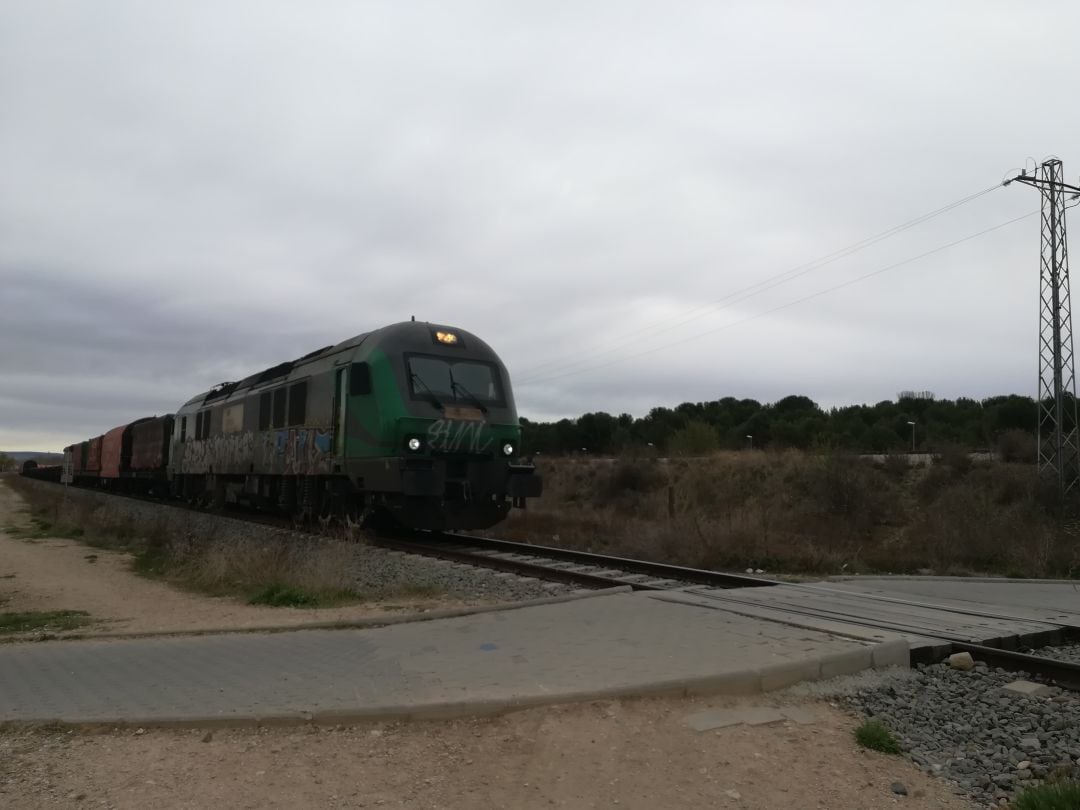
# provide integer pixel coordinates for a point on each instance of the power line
(757, 288)
(848, 283)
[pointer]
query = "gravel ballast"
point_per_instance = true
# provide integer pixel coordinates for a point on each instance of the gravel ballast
(964, 726)
(378, 568)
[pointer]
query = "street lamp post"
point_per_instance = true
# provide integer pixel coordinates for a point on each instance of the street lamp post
(912, 436)
(751, 440)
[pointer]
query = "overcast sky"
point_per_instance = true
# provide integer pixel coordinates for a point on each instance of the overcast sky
(192, 191)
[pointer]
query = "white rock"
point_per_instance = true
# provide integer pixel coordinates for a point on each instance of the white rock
(962, 661)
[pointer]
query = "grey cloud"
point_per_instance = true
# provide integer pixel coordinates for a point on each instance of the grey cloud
(192, 192)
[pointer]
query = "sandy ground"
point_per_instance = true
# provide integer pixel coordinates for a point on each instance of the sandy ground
(56, 574)
(629, 754)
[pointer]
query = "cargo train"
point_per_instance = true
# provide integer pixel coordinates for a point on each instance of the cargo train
(413, 422)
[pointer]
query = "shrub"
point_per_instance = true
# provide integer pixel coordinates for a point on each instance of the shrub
(873, 734)
(955, 458)
(839, 486)
(1017, 446)
(1063, 795)
(896, 466)
(278, 595)
(696, 439)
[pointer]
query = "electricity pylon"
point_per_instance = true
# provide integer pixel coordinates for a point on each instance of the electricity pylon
(1059, 448)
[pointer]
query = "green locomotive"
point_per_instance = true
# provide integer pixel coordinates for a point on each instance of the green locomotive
(414, 421)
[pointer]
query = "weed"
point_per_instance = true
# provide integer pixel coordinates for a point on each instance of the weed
(43, 620)
(874, 735)
(151, 562)
(1063, 795)
(280, 595)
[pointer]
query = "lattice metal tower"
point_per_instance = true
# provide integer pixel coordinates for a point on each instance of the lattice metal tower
(1059, 446)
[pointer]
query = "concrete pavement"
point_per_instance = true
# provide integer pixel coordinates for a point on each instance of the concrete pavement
(617, 644)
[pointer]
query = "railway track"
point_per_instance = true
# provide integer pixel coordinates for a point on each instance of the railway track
(565, 565)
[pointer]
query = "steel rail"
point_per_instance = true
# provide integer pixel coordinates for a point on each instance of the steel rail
(520, 567)
(699, 576)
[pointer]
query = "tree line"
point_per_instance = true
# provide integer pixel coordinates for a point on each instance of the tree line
(1005, 423)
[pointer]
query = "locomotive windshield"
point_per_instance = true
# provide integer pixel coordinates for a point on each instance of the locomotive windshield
(443, 379)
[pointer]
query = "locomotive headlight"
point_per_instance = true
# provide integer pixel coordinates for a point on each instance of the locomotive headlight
(413, 444)
(508, 449)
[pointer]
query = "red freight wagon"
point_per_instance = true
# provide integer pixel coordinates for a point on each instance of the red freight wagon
(79, 453)
(112, 452)
(150, 440)
(93, 455)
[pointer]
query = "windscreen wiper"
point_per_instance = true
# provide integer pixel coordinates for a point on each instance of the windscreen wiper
(434, 399)
(455, 385)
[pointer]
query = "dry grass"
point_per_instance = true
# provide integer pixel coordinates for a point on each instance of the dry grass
(798, 512)
(297, 571)
(217, 558)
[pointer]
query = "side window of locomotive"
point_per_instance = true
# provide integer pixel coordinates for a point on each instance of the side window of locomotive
(264, 410)
(279, 408)
(183, 429)
(359, 379)
(297, 403)
(202, 425)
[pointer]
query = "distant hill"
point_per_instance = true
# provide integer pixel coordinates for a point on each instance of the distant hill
(40, 457)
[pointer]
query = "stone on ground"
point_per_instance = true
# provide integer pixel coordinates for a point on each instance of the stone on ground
(962, 661)
(1028, 689)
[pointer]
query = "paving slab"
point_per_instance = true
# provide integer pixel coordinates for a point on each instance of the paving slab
(618, 644)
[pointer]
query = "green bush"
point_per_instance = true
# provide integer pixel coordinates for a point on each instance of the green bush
(874, 735)
(278, 595)
(1052, 796)
(696, 439)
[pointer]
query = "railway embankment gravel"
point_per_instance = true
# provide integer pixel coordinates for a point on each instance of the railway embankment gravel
(966, 727)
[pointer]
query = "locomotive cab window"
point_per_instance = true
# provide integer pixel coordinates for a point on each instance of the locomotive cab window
(451, 380)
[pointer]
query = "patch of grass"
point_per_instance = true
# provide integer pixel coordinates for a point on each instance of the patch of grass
(40, 529)
(54, 620)
(873, 734)
(151, 562)
(1052, 796)
(280, 595)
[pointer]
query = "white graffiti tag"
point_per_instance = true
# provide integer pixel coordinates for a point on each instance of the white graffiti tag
(449, 436)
